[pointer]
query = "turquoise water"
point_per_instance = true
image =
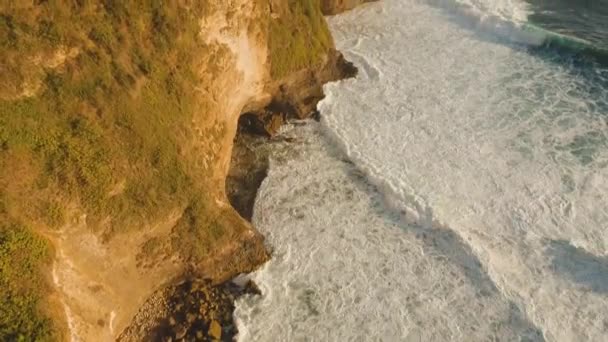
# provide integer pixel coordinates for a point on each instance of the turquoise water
(575, 29)
(577, 40)
(586, 20)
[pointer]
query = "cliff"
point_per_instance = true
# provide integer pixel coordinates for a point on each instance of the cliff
(117, 122)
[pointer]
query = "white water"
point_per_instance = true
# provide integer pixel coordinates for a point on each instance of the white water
(487, 216)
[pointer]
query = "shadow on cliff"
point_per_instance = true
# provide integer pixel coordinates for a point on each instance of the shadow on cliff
(293, 97)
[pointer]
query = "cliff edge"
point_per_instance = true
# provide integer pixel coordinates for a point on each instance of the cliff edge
(117, 122)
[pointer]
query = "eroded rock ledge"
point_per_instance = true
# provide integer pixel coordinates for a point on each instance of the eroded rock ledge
(295, 97)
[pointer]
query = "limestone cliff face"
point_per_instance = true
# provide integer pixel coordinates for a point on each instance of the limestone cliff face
(121, 144)
(102, 282)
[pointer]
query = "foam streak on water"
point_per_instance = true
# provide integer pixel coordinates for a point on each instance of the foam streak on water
(473, 205)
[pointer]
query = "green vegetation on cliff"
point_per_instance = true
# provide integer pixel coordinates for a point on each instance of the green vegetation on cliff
(112, 114)
(96, 107)
(299, 38)
(22, 254)
(101, 133)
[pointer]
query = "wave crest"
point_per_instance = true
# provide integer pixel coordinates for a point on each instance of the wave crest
(507, 20)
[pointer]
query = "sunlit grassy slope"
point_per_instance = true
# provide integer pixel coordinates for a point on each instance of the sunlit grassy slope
(102, 131)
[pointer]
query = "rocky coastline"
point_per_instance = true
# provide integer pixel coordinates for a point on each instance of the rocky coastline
(132, 213)
(196, 309)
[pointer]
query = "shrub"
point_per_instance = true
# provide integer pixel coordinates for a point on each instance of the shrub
(22, 254)
(298, 38)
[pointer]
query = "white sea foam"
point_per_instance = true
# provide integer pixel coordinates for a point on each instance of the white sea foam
(475, 207)
(345, 268)
(498, 18)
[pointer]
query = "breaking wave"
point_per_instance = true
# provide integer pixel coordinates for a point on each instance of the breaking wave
(508, 20)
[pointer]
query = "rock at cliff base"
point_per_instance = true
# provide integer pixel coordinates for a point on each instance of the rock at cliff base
(180, 331)
(273, 124)
(215, 330)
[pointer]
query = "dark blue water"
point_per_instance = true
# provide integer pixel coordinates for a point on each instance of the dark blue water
(582, 19)
(582, 26)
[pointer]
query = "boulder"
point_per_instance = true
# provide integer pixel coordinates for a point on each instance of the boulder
(180, 331)
(215, 330)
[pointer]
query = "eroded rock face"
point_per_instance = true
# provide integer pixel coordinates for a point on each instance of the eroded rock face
(331, 7)
(296, 96)
(266, 103)
(194, 310)
(103, 282)
(101, 278)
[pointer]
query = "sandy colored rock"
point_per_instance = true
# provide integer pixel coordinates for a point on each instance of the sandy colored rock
(215, 330)
(99, 278)
(180, 331)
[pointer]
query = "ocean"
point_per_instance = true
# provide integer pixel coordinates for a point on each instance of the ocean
(456, 190)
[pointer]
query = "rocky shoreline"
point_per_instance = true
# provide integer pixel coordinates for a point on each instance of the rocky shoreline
(196, 309)
(119, 140)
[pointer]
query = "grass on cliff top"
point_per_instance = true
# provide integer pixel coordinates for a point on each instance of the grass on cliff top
(113, 114)
(299, 38)
(102, 133)
(22, 285)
